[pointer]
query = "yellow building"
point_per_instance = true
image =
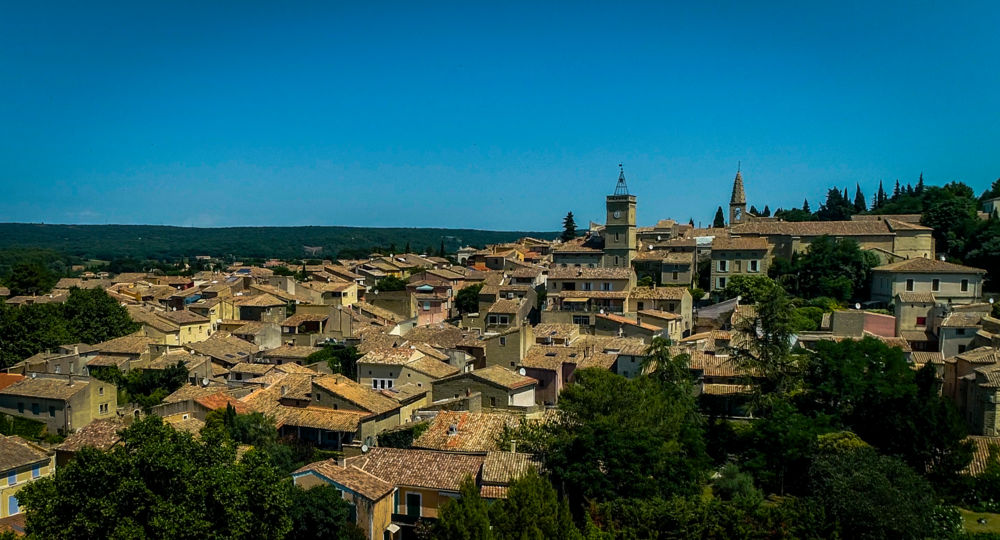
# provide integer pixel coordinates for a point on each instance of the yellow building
(20, 463)
(61, 402)
(370, 497)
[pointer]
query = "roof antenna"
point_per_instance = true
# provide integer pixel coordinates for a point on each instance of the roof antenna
(738, 163)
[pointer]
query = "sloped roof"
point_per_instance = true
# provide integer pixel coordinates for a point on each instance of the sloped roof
(355, 393)
(473, 431)
(45, 387)
(506, 467)
(130, 344)
(16, 452)
(99, 434)
(419, 468)
(573, 272)
(921, 265)
(350, 477)
(659, 293)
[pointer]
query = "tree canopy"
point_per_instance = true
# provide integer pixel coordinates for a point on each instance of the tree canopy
(569, 228)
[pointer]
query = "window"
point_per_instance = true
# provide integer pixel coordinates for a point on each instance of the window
(961, 349)
(753, 266)
(960, 331)
(618, 236)
(104, 408)
(12, 478)
(935, 284)
(641, 306)
(965, 285)
(35, 408)
(492, 319)
(12, 507)
(921, 321)
(909, 285)
(493, 402)
(616, 260)
(427, 306)
(723, 266)
(674, 276)
(36, 471)
(52, 411)
(58, 369)
(722, 283)
(503, 341)
(581, 319)
(20, 407)
(381, 384)
(413, 504)
(100, 390)
(606, 286)
(587, 286)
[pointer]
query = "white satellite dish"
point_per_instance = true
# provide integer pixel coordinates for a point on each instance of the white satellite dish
(522, 371)
(204, 381)
(857, 306)
(364, 448)
(991, 300)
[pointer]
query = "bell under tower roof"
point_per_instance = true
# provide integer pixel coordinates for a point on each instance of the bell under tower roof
(622, 187)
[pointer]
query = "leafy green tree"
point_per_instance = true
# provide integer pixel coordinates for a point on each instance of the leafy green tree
(467, 298)
(835, 268)
(645, 281)
(867, 495)
(390, 283)
(340, 358)
(767, 350)
(532, 509)
(780, 447)
(749, 288)
(794, 214)
(321, 512)
(619, 437)
(464, 518)
(952, 217)
(283, 271)
(31, 279)
(720, 219)
(159, 483)
(93, 316)
(28, 330)
(734, 484)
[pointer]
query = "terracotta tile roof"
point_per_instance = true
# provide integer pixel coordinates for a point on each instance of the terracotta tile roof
(220, 400)
(739, 244)
(7, 379)
(556, 330)
(319, 418)
(355, 393)
(493, 492)
(224, 347)
(659, 293)
(981, 449)
(102, 360)
(473, 431)
(921, 265)
(572, 272)
(616, 295)
(291, 351)
(501, 376)
(131, 344)
(183, 317)
(171, 358)
(252, 328)
(506, 467)
(258, 300)
(613, 345)
(812, 228)
(432, 367)
(99, 434)
(394, 356)
(419, 468)
(16, 452)
(45, 387)
(726, 389)
(254, 369)
(925, 357)
(660, 314)
(192, 392)
(430, 351)
(959, 319)
(352, 478)
(916, 298)
(190, 424)
(506, 306)
(441, 335)
(629, 322)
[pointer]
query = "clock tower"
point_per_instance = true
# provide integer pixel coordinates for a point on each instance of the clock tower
(738, 202)
(619, 231)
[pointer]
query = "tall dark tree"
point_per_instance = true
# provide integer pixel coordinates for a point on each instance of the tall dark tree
(805, 206)
(691, 222)
(322, 512)
(532, 509)
(720, 219)
(896, 191)
(880, 196)
(836, 207)
(31, 279)
(441, 253)
(754, 211)
(466, 517)
(569, 228)
(920, 184)
(859, 200)
(467, 298)
(767, 211)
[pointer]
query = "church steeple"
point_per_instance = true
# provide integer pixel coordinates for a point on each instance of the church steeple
(738, 202)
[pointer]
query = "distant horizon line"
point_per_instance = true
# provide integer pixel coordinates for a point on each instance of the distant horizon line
(42, 223)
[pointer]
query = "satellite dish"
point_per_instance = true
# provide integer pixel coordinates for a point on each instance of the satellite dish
(204, 381)
(857, 306)
(364, 449)
(991, 300)
(522, 371)
(602, 311)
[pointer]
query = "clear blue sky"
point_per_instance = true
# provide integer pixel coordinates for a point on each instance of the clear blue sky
(501, 117)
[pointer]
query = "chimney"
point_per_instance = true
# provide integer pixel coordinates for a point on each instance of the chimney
(69, 380)
(513, 446)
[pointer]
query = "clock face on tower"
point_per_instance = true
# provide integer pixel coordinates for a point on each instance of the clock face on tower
(617, 214)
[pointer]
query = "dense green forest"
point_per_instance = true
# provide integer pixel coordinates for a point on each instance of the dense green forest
(107, 242)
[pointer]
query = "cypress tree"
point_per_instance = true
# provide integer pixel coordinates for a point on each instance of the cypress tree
(859, 200)
(767, 211)
(720, 219)
(805, 206)
(920, 184)
(881, 196)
